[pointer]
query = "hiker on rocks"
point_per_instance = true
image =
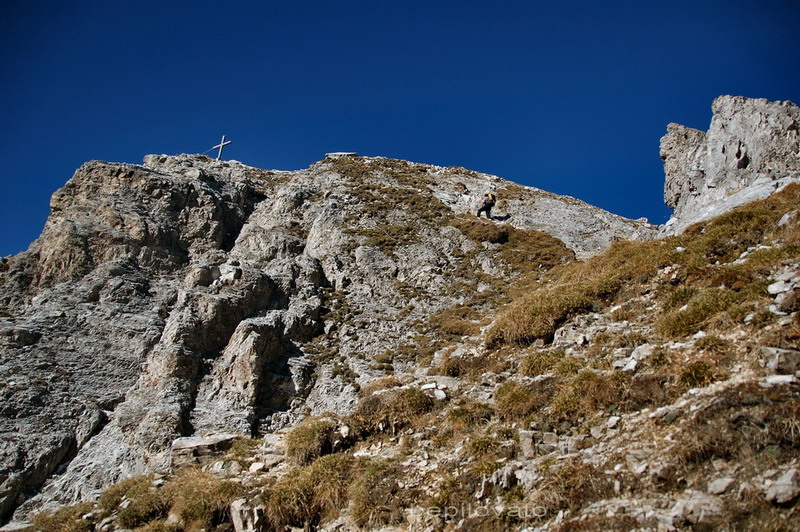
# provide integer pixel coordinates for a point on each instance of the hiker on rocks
(486, 205)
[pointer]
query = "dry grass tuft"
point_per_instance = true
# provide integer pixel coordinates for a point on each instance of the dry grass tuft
(587, 392)
(307, 496)
(481, 231)
(456, 321)
(538, 315)
(698, 312)
(540, 362)
(310, 439)
(65, 519)
(375, 495)
(515, 401)
(143, 502)
(392, 410)
(626, 267)
(569, 486)
(470, 414)
(383, 383)
(201, 499)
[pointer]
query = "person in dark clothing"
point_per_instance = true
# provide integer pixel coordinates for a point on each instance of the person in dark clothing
(486, 205)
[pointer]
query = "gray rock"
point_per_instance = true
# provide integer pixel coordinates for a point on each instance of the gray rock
(178, 297)
(527, 443)
(194, 449)
(785, 489)
(720, 485)
(781, 361)
(700, 508)
(246, 516)
(747, 154)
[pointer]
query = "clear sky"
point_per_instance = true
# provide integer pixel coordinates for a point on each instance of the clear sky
(568, 96)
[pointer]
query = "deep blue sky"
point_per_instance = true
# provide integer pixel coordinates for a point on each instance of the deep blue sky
(568, 96)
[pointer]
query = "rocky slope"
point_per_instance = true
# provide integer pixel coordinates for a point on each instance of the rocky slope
(179, 297)
(348, 347)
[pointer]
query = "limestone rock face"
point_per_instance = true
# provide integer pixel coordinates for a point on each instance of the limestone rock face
(188, 297)
(751, 149)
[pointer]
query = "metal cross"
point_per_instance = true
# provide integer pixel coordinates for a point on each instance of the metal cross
(221, 145)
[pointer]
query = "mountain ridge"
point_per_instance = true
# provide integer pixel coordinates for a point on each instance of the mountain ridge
(187, 296)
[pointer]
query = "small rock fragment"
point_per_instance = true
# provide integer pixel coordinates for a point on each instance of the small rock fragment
(785, 489)
(720, 485)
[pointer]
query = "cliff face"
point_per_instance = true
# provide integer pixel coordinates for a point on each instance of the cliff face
(751, 149)
(190, 296)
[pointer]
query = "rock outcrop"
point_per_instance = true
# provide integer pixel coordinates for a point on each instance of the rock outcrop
(751, 149)
(189, 296)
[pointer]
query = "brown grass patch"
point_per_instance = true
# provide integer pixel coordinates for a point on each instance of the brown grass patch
(570, 486)
(392, 410)
(201, 499)
(65, 519)
(515, 401)
(310, 439)
(143, 502)
(375, 495)
(310, 495)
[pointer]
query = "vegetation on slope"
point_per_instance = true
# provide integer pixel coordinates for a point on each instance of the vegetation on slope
(697, 304)
(717, 270)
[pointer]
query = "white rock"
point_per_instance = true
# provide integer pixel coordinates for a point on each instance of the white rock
(631, 365)
(720, 485)
(778, 287)
(699, 508)
(774, 380)
(257, 467)
(785, 489)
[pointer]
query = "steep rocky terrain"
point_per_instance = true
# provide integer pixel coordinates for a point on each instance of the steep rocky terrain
(205, 345)
(182, 296)
(751, 149)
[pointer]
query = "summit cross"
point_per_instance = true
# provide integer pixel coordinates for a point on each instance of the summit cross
(221, 145)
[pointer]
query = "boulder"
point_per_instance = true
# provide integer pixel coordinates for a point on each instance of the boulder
(200, 449)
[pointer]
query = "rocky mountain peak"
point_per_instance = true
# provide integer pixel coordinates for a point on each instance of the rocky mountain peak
(312, 345)
(182, 296)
